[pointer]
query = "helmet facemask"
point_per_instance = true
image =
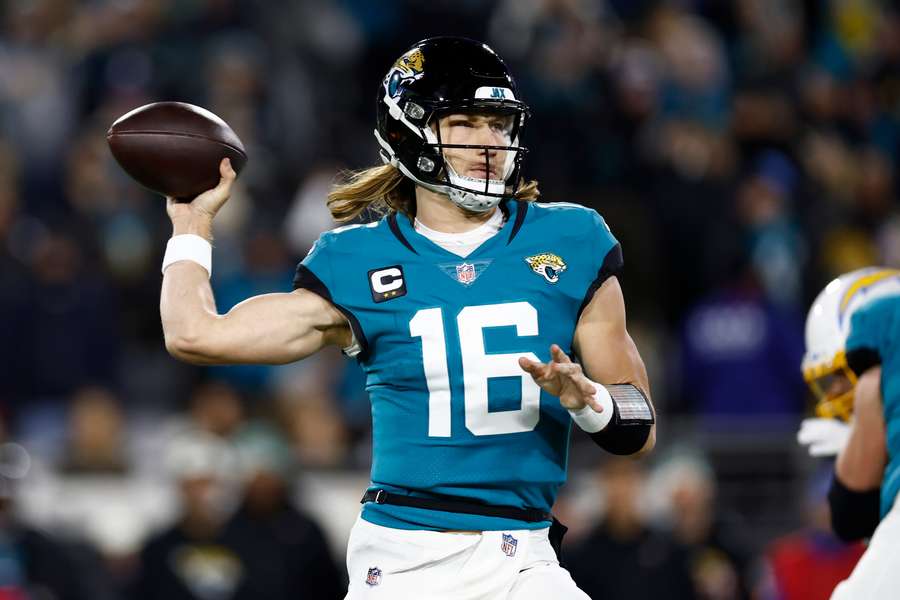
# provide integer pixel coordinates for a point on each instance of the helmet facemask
(501, 162)
(833, 387)
(432, 169)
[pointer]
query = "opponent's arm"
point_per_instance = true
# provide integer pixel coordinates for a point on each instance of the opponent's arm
(854, 494)
(860, 464)
(271, 328)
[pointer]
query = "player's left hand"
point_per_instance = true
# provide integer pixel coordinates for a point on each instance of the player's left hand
(564, 379)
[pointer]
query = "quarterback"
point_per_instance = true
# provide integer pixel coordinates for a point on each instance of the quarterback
(486, 323)
(852, 363)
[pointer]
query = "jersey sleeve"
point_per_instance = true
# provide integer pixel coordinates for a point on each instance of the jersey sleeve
(316, 274)
(607, 249)
(605, 254)
(869, 338)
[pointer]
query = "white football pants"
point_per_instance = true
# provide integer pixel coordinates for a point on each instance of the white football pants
(384, 562)
(877, 574)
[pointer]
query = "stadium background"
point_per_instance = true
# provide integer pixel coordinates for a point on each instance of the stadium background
(744, 152)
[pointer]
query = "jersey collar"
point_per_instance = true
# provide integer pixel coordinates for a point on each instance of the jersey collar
(406, 234)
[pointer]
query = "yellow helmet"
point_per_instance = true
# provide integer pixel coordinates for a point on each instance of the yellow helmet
(827, 326)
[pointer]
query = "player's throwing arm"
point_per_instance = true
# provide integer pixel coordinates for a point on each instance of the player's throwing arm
(271, 328)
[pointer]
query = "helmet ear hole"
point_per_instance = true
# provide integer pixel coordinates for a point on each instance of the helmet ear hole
(425, 164)
(414, 111)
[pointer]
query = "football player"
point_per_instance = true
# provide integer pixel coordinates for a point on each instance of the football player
(852, 364)
(486, 324)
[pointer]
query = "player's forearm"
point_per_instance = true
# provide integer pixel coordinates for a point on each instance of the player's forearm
(860, 464)
(856, 468)
(187, 309)
(623, 366)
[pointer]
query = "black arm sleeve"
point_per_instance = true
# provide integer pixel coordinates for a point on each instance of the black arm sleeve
(854, 515)
(861, 360)
(622, 439)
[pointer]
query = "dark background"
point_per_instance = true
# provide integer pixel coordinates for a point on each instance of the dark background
(744, 152)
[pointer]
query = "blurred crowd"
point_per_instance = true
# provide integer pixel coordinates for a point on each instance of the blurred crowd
(743, 151)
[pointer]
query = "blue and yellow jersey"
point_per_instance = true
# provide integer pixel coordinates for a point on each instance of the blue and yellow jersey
(873, 338)
(453, 414)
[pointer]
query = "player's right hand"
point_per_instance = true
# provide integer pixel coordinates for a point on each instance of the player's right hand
(824, 437)
(196, 215)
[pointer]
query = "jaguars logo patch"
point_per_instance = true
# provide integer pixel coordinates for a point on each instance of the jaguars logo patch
(547, 264)
(409, 67)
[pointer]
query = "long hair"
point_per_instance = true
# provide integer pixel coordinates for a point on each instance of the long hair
(384, 188)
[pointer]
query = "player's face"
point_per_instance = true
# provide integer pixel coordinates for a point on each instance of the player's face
(834, 393)
(480, 129)
(836, 385)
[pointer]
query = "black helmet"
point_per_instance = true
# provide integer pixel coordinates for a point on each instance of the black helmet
(439, 76)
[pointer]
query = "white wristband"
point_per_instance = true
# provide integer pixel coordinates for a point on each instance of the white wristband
(589, 419)
(190, 247)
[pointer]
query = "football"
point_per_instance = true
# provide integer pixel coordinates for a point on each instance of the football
(174, 148)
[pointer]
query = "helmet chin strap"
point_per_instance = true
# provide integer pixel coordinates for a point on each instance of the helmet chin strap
(472, 200)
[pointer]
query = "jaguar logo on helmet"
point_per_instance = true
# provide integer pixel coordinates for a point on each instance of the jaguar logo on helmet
(409, 67)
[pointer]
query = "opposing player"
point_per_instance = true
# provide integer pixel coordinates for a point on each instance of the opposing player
(465, 305)
(853, 365)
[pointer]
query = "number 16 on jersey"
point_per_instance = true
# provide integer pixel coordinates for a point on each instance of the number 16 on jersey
(478, 368)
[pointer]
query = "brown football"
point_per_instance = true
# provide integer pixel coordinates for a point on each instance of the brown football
(174, 148)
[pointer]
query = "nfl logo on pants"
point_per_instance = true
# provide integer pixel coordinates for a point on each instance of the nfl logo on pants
(373, 577)
(508, 545)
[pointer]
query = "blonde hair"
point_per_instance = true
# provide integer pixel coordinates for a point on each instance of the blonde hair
(384, 188)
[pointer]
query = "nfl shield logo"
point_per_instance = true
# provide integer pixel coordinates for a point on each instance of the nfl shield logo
(508, 545)
(373, 577)
(465, 273)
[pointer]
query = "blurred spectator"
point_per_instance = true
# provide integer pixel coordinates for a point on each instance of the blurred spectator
(624, 556)
(311, 414)
(13, 283)
(808, 564)
(96, 435)
(740, 355)
(703, 131)
(720, 559)
(217, 407)
(71, 314)
(34, 563)
(764, 210)
(36, 90)
(696, 86)
(284, 552)
(189, 560)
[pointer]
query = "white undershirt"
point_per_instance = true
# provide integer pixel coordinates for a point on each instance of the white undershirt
(463, 244)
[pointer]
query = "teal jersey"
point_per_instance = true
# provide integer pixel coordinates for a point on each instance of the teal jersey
(453, 414)
(875, 333)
